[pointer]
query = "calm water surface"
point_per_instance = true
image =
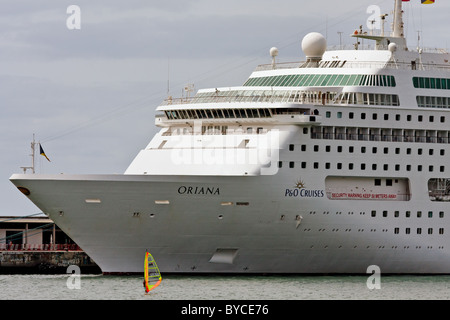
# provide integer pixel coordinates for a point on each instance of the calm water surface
(95, 287)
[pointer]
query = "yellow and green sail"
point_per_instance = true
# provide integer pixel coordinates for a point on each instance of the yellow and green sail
(152, 276)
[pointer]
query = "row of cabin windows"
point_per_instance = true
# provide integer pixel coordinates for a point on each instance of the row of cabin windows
(418, 230)
(363, 166)
(323, 80)
(408, 214)
(396, 214)
(217, 113)
(363, 149)
(296, 96)
(233, 113)
(386, 116)
(431, 83)
(216, 130)
(250, 95)
(433, 102)
(378, 99)
(223, 130)
(377, 134)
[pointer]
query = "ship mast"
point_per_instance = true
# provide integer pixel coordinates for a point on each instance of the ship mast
(398, 20)
(33, 149)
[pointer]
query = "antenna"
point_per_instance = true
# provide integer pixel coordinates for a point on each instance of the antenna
(420, 59)
(273, 54)
(383, 20)
(168, 77)
(188, 89)
(418, 40)
(340, 39)
(372, 22)
(33, 148)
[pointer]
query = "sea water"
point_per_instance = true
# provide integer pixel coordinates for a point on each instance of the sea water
(178, 287)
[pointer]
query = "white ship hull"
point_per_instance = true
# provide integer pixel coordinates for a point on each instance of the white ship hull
(262, 237)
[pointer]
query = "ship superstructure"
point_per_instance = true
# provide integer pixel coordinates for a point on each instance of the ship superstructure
(329, 165)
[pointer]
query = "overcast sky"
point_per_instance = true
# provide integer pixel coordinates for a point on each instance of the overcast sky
(89, 95)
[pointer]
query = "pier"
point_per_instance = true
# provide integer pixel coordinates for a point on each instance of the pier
(34, 244)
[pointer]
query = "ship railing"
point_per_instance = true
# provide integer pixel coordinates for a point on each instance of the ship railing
(210, 130)
(171, 101)
(224, 98)
(38, 247)
(397, 65)
(277, 96)
(358, 65)
(347, 47)
(281, 65)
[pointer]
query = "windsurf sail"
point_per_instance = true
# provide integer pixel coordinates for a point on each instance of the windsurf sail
(152, 276)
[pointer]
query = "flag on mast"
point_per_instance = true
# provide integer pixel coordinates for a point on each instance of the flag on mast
(427, 1)
(42, 153)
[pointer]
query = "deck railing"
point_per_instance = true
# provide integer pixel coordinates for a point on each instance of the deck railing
(39, 247)
(358, 65)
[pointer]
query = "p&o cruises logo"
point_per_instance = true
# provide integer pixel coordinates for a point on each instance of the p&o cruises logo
(300, 191)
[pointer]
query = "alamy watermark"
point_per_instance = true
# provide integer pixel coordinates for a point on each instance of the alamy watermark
(210, 146)
(374, 281)
(73, 22)
(374, 20)
(74, 280)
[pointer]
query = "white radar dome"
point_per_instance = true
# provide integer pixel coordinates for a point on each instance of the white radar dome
(314, 45)
(273, 52)
(392, 47)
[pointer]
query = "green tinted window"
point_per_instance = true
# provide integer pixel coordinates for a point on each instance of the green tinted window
(279, 80)
(358, 80)
(313, 80)
(341, 80)
(291, 80)
(297, 80)
(438, 84)
(431, 83)
(305, 80)
(266, 81)
(352, 80)
(345, 80)
(286, 80)
(332, 79)
(326, 80)
(320, 80)
(257, 81)
(392, 80)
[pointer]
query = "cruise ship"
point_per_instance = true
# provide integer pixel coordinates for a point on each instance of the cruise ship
(325, 166)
